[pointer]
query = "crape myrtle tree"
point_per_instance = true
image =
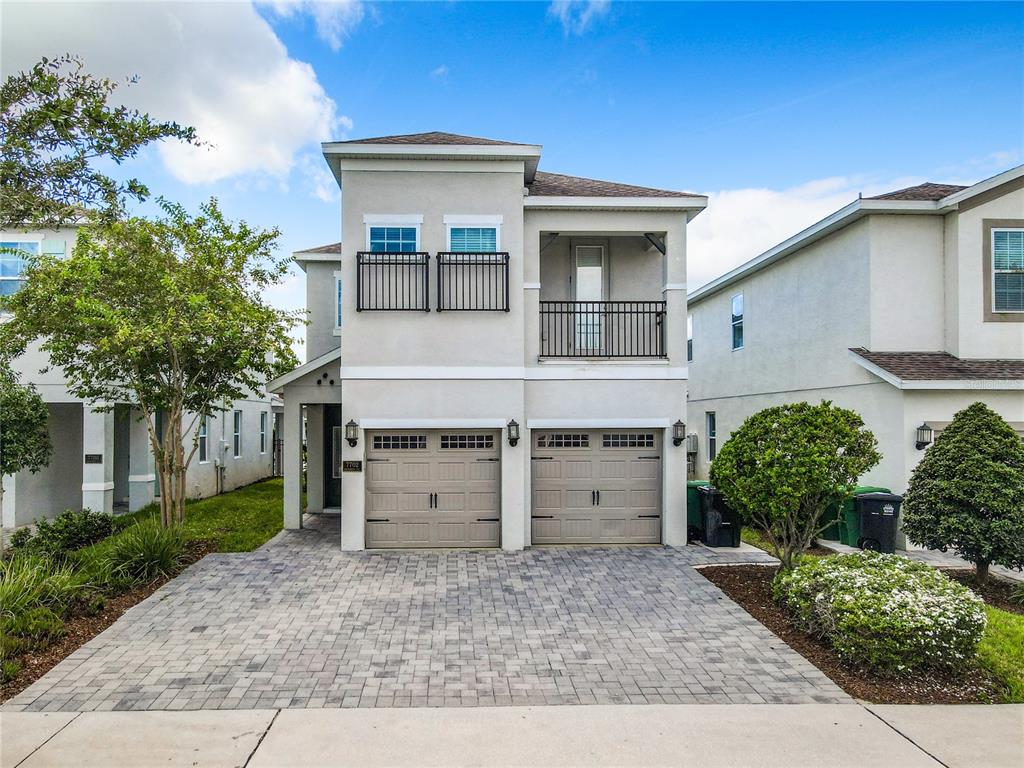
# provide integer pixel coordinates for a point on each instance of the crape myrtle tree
(168, 315)
(24, 437)
(56, 122)
(967, 493)
(785, 465)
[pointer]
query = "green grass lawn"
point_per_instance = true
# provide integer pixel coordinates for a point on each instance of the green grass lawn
(237, 521)
(1002, 650)
(756, 538)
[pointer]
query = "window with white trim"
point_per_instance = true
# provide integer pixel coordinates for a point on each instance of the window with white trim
(337, 300)
(689, 338)
(710, 421)
(1008, 270)
(14, 255)
(472, 239)
(237, 434)
(263, 431)
(393, 239)
(737, 321)
(204, 440)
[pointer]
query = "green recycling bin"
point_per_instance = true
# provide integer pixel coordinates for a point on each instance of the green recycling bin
(849, 521)
(693, 518)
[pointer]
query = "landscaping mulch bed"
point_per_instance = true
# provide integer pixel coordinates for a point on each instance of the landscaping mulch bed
(995, 591)
(750, 587)
(80, 628)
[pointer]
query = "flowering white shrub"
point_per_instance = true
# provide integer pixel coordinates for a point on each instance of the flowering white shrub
(884, 612)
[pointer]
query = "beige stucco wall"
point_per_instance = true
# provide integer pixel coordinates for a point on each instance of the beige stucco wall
(321, 337)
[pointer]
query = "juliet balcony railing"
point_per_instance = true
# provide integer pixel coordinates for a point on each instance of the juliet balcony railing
(472, 282)
(392, 282)
(612, 329)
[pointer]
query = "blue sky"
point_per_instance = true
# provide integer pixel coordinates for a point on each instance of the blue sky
(780, 112)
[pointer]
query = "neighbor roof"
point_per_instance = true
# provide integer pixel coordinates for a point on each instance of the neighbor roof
(330, 248)
(940, 366)
(927, 191)
(431, 137)
(560, 185)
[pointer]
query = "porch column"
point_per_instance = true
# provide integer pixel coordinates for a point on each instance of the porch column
(292, 463)
(315, 458)
(98, 459)
(673, 491)
(141, 464)
(674, 275)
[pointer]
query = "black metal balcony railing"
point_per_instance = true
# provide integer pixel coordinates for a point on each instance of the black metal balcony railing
(602, 329)
(472, 282)
(392, 281)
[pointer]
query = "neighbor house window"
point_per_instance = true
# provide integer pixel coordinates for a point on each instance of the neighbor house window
(394, 239)
(263, 431)
(473, 239)
(689, 338)
(712, 430)
(204, 440)
(13, 261)
(237, 438)
(1008, 270)
(337, 300)
(737, 321)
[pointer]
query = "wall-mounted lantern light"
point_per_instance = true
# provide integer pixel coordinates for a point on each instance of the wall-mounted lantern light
(352, 432)
(513, 433)
(925, 435)
(678, 433)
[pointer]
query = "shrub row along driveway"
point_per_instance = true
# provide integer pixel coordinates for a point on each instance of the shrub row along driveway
(299, 623)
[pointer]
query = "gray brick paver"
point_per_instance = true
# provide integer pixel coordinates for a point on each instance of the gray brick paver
(299, 623)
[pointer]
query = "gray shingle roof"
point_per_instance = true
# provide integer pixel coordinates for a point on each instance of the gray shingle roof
(930, 366)
(431, 137)
(560, 185)
(926, 191)
(330, 248)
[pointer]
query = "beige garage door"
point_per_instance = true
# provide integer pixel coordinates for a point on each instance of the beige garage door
(433, 488)
(596, 487)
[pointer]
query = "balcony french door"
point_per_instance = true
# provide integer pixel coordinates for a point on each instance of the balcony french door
(589, 282)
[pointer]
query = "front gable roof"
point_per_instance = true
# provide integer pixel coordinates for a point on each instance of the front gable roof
(432, 137)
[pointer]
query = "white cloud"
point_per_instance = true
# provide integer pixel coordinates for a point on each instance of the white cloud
(740, 224)
(321, 182)
(334, 19)
(576, 16)
(216, 66)
(440, 72)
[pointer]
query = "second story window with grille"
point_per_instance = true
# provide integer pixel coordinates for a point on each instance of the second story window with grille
(392, 275)
(689, 338)
(1008, 270)
(472, 275)
(13, 261)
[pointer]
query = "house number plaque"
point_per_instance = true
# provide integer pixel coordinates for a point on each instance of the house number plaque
(351, 466)
(94, 458)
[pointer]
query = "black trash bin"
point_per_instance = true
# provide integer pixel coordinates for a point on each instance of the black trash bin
(720, 524)
(879, 514)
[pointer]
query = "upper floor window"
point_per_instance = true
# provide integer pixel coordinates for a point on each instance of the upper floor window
(689, 338)
(337, 299)
(13, 261)
(393, 239)
(473, 239)
(1008, 270)
(737, 321)
(711, 427)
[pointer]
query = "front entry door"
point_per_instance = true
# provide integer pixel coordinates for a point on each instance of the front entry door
(333, 435)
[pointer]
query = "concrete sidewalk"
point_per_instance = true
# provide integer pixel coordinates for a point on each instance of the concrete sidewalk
(789, 736)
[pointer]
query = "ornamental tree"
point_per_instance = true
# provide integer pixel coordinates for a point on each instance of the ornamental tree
(24, 437)
(168, 315)
(56, 121)
(785, 465)
(967, 493)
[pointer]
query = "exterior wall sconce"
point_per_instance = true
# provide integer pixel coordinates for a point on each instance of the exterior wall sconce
(678, 433)
(352, 432)
(925, 435)
(513, 433)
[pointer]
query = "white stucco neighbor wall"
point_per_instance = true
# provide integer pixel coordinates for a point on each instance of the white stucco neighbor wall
(321, 304)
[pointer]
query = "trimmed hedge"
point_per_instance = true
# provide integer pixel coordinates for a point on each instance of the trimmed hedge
(884, 612)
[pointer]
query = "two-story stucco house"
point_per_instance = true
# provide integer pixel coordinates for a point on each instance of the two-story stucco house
(102, 459)
(905, 307)
(496, 354)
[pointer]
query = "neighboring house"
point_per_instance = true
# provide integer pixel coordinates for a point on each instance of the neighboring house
(906, 307)
(513, 359)
(103, 460)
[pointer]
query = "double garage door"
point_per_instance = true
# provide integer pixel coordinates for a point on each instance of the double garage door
(433, 488)
(441, 488)
(596, 487)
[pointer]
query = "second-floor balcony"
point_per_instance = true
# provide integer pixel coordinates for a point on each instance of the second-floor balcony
(602, 329)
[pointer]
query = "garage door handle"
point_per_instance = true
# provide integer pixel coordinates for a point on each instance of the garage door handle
(598, 498)
(542, 458)
(649, 517)
(369, 460)
(378, 519)
(593, 498)
(543, 517)
(652, 458)
(494, 459)
(487, 519)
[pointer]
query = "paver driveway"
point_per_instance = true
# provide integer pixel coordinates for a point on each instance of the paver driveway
(301, 624)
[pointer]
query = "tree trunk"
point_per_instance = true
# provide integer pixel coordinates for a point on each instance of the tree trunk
(981, 571)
